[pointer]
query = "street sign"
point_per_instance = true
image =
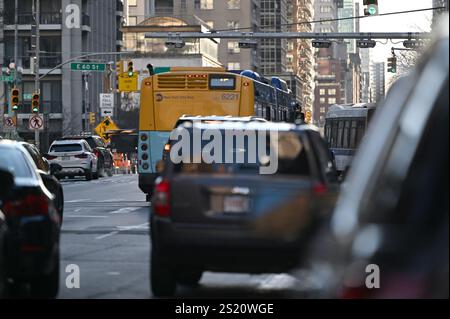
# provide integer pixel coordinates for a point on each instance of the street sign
(106, 125)
(106, 100)
(82, 66)
(36, 123)
(128, 84)
(9, 122)
(107, 112)
(27, 96)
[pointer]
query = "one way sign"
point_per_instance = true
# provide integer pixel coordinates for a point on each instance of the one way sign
(107, 112)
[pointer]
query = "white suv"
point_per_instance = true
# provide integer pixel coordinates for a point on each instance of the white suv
(75, 157)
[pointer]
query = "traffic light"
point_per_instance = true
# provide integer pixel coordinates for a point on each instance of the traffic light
(130, 69)
(92, 118)
(392, 64)
(15, 98)
(371, 7)
(35, 102)
(308, 117)
(119, 67)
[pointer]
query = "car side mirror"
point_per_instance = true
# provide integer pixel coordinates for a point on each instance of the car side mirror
(6, 184)
(55, 168)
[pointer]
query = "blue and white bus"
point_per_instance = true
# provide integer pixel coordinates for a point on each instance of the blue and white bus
(345, 126)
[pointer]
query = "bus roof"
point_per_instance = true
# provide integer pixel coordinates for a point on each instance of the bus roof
(349, 110)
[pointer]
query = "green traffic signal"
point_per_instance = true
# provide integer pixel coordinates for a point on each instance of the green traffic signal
(372, 11)
(15, 107)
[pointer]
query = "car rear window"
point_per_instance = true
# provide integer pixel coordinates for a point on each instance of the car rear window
(14, 161)
(60, 148)
(292, 159)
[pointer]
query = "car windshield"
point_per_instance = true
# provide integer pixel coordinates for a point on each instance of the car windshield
(59, 148)
(14, 161)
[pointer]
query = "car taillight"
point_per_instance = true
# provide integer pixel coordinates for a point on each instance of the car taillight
(50, 157)
(29, 206)
(161, 202)
(319, 188)
(97, 153)
(84, 155)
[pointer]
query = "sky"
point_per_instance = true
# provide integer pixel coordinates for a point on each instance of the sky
(410, 22)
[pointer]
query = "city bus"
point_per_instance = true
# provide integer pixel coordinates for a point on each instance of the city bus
(345, 126)
(203, 91)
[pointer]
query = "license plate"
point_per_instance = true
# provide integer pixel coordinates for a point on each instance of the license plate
(235, 204)
(65, 158)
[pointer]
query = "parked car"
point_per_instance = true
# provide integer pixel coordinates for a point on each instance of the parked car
(75, 157)
(228, 217)
(47, 172)
(392, 218)
(32, 239)
(6, 184)
(104, 155)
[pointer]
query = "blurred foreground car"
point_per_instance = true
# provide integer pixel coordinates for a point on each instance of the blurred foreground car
(389, 234)
(75, 157)
(32, 241)
(47, 172)
(228, 217)
(6, 184)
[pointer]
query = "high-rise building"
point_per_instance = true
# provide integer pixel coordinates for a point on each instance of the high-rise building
(437, 4)
(377, 81)
(68, 29)
(327, 67)
(348, 25)
(365, 75)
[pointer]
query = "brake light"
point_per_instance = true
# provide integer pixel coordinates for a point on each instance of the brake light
(29, 206)
(97, 153)
(84, 155)
(319, 188)
(161, 202)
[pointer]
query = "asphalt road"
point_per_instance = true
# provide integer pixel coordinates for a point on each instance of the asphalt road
(105, 233)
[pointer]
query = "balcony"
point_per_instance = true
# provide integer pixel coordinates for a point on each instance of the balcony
(86, 22)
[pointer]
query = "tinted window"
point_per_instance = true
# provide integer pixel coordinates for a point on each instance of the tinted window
(66, 148)
(37, 158)
(292, 159)
(14, 161)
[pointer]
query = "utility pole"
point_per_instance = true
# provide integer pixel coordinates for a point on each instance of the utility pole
(36, 10)
(16, 38)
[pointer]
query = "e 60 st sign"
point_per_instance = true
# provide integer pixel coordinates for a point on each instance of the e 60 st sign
(81, 66)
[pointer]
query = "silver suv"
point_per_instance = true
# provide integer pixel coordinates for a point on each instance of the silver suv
(75, 157)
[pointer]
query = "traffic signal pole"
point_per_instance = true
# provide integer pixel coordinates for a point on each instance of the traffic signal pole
(36, 9)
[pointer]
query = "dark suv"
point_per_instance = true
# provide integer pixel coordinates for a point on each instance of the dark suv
(224, 216)
(105, 157)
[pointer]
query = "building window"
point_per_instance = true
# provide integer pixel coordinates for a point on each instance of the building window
(210, 24)
(206, 4)
(322, 110)
(332, 92)
(332, 100)
(233, 47)
(233, 25)
(132, 20)
(234, 66)
(132, 3)
(325, 9)
(322, 92)
(323, 100)
(234, 4)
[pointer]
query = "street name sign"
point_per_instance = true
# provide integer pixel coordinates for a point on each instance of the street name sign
(83, 66)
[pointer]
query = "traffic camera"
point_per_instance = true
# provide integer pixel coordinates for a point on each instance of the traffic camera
(321, 44)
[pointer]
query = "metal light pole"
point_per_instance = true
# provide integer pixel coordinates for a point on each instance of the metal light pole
(37, 9)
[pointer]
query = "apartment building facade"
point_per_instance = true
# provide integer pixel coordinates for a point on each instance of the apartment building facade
(378, 81)
(64, 95)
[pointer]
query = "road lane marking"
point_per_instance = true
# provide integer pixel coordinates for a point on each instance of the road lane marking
(77, 200)
(125, 210)
(85, 216)
(107, 235)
